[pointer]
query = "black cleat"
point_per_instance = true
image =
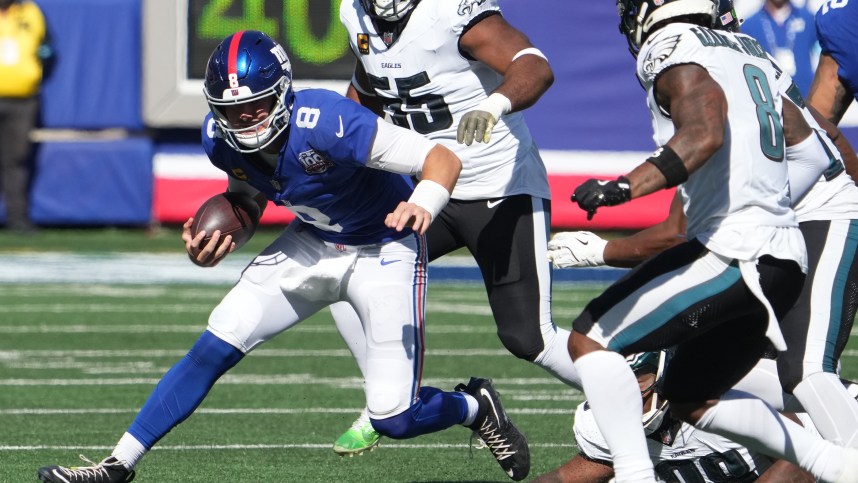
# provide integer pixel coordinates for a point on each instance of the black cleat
(110, 470)
(492, 425)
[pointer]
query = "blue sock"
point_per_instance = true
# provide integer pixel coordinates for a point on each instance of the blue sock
(434, 410)
(183, 388)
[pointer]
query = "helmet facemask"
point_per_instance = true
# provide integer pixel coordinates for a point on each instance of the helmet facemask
(388, 10)
(632, 14)
(249, 67)
(651, 363)
(252, 138)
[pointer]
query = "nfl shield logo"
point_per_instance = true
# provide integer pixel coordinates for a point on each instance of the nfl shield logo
(387, 37)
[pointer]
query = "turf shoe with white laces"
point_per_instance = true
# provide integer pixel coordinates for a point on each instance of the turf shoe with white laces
(358, 438)
(492, 425)
(110, 470)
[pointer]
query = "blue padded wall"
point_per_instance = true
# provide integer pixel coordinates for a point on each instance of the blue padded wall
(93, 183)
(95, 82)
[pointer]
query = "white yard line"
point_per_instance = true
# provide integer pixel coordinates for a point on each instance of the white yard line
(477, 309)
(256, 380)
(246, 411)
(18, 354)
(135, 268)
(194, 329)
(202, 447)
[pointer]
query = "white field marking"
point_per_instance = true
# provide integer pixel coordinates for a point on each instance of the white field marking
(103, 329)
(436, 307)
(50, 360)
(103, 362)
(99, 290)
(131, 268)
(95, 307)
(15, 355)
(136, 268)
(186, 329)
(203, 447)
(112, 291)
(182, 293)
(102, 308)
(89, 367)
(232, 411)
(260, 380)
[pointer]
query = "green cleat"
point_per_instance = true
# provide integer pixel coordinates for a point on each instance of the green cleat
(357, 439)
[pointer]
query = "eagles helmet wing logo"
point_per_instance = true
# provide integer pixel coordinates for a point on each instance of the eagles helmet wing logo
(657, 54)
(467, 6)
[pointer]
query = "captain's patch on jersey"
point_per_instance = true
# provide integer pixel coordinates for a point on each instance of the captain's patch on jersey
(658, 52)
(363, 43)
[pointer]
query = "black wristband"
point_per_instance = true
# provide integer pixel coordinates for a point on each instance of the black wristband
(670, 165)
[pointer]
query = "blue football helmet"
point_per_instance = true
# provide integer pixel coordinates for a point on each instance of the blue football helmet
(727, 18)
(388, 10)
(637, 17)
(652, 363)
(246, 67)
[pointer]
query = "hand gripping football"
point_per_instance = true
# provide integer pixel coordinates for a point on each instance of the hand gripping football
(235, 214)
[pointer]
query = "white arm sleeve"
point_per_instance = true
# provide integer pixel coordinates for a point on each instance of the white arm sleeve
(805, 161)
(398, 150)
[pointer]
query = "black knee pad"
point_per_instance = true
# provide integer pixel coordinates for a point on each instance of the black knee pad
(519, 346)
(789, 371)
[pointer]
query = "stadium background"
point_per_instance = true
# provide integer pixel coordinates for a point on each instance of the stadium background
(119, 143)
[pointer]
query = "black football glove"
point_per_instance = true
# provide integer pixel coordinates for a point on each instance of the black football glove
(594, 193)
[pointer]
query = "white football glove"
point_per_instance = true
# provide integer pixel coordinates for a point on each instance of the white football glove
(576, 249)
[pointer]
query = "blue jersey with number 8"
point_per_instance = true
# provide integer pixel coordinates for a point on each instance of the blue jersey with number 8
(837, 27)
(321, 173)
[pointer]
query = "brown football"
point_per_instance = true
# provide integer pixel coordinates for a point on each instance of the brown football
(235, 214)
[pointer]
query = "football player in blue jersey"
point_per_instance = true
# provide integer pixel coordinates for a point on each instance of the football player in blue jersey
(835, 84)
(357, 237)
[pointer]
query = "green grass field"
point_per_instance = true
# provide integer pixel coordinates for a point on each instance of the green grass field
(78, 360)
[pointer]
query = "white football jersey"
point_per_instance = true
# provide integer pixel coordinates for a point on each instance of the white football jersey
(427, 85)
(679, 452)
(834, 196)
(737, 204)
